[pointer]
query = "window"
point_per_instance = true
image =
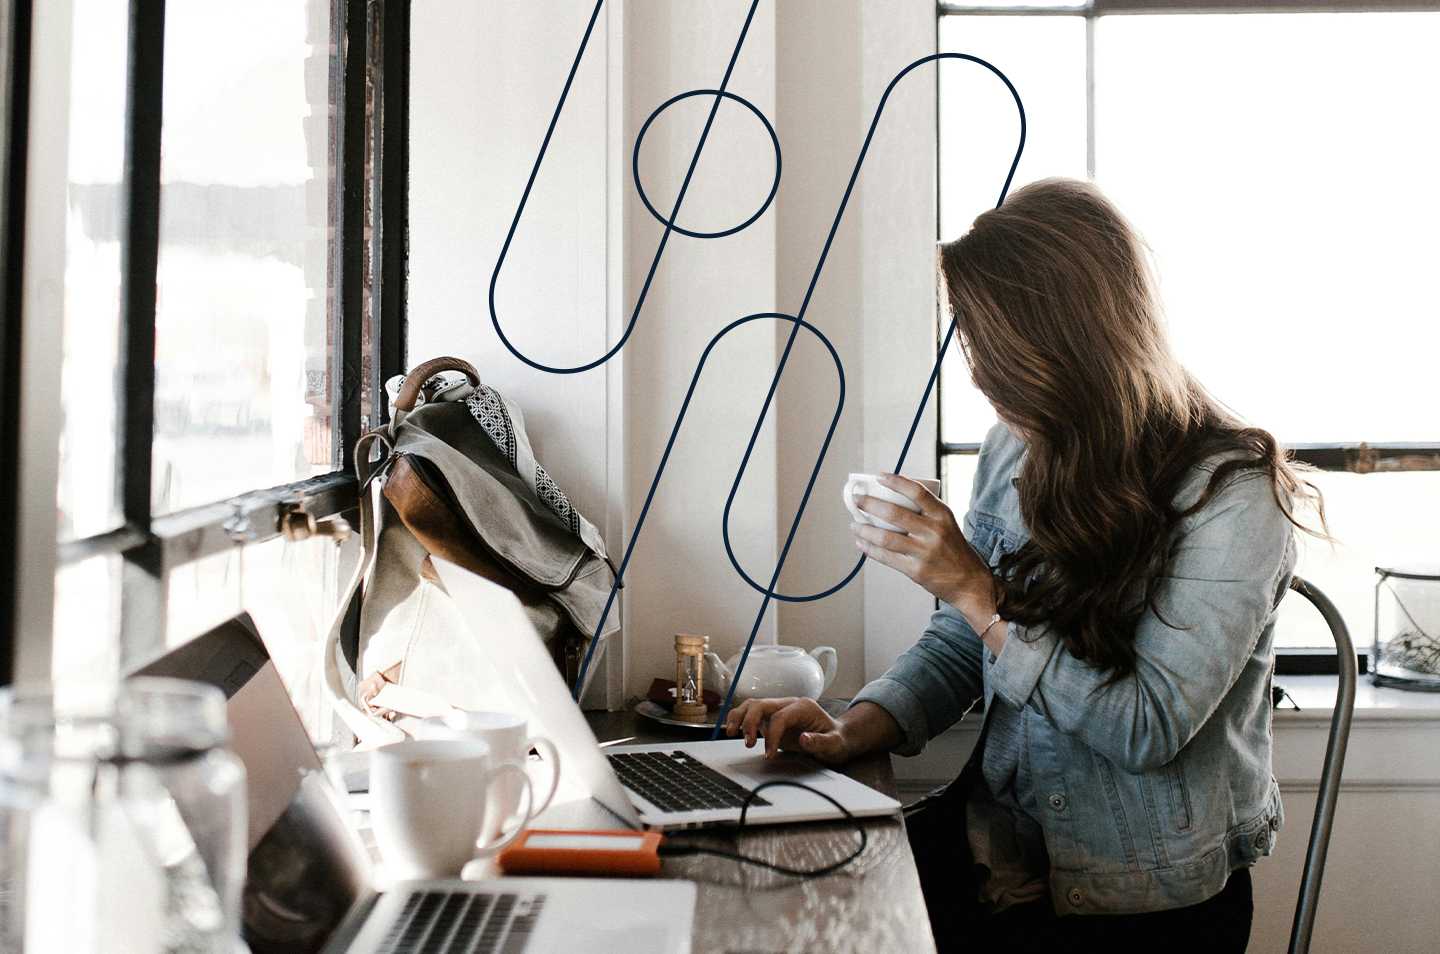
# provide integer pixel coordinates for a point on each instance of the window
(14, 46)
(220, 354)
(1290, 206)
(242, 330)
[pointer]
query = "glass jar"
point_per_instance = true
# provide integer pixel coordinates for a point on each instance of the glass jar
(122, 819)
(1407, 627)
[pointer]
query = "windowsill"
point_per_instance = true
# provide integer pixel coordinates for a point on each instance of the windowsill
(1315, 695)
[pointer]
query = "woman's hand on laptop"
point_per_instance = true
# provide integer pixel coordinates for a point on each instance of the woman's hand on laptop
(801, 725)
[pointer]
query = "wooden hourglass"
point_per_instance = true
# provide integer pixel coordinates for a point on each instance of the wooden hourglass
(690, 677)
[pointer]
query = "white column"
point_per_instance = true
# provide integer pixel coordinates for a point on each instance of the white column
(43, 306)
(680, 579)
(897, 255)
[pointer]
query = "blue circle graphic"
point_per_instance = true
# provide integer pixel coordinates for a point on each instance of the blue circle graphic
(640, 188)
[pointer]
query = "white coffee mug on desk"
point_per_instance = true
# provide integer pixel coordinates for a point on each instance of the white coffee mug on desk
(508, 739)
(432, 802)
(868, 485)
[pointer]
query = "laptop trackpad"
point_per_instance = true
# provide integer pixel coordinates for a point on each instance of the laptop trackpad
(753, 766)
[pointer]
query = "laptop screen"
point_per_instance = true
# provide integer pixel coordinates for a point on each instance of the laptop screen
(306, 869)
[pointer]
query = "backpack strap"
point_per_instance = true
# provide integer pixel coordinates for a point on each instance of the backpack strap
(340, 679)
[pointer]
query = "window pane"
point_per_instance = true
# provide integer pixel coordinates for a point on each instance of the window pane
(957, 478)
(1377, 520)
(979, 128)
(202, 594)
(86, 492)
(1291, 205)
(290, 591)
(87, 621)
(243, 336)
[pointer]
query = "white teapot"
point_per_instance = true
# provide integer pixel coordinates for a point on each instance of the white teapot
(775, 671)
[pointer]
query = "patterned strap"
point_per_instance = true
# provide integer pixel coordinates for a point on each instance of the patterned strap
(497, 419)
(488, 408)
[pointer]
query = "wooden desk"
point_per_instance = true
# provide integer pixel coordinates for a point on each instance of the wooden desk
(872, 905)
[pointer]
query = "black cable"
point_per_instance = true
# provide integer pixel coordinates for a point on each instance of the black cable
(670, 849)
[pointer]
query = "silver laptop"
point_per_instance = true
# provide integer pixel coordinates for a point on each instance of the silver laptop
(666, 786)
(308, 887)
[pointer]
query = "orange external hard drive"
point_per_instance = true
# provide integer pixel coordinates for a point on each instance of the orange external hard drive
(619, 853)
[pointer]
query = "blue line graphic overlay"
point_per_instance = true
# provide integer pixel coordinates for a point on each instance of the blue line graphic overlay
(797, 321)
(669, 222)
(640, 186)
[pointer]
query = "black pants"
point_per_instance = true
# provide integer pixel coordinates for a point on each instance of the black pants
(1218, 925)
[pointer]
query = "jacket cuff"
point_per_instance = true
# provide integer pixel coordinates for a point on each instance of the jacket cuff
(1017, 669)
(904, 707)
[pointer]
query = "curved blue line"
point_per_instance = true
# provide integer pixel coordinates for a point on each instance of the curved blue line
(669, 224)
(670, 446)
(645, 128)
(769, 592)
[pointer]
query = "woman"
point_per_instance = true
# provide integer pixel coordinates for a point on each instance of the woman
(1111, 598)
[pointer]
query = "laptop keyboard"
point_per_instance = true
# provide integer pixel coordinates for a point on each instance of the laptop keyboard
(675, 782)
(461, 922)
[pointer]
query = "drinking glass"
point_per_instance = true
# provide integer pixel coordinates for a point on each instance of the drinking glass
(122, 819)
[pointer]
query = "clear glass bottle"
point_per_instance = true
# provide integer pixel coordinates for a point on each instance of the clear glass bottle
(1406, 649)
(122, 820)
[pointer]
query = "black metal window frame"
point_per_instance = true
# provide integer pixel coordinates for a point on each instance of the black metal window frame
(15, 101)
(369, 85)
(1354, 457)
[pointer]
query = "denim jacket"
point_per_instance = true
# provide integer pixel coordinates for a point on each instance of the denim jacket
(1152, 789)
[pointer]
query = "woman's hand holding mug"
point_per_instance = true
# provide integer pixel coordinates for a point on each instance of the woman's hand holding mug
(928, 547)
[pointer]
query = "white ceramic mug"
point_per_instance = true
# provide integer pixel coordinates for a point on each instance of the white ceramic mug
(868, 485)
(508, 739)
(432, 802)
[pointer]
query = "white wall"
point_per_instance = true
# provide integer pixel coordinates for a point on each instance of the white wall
(819, 117)
(898, 216)
(485, 80)
(680, 579)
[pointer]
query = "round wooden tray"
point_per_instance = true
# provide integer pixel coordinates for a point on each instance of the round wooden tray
(658, 713)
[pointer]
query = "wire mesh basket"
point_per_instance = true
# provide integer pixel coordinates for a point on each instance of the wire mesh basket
(1407, 627)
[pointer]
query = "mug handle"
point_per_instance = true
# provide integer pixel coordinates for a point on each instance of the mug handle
(851, 485)
(514, 768)
(550, 755)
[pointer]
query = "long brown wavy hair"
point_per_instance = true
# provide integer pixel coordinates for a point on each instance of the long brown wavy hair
(1062, 329)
